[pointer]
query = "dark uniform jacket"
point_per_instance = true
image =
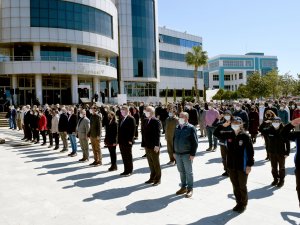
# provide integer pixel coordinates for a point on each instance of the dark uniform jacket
(126, 131)
(151, 133)
(240, 152)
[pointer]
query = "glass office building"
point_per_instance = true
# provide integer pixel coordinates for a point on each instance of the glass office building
(58, 51)
(138, 68)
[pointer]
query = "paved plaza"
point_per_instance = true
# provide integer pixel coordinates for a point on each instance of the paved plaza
(39, 186)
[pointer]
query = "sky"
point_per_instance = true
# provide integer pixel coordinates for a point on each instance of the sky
(240, 26)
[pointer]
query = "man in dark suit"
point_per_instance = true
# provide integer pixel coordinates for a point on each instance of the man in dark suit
(151, 143)
(63, 128)
(27, 119)
(125, 140)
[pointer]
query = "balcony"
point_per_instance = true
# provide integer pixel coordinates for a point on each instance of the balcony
(57, 65)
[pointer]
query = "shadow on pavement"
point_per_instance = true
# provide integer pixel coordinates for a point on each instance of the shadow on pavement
(219, 219)
(286, 216)
(149, 205)
(264, 192)
(209, 181)
(116, 192)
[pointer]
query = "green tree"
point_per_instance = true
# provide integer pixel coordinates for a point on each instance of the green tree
(273, 83)
(174, 95)
(227, 95)
(197, 58)
(242, 91)
(256, 86)
(288, 84)
(219, 95)
(193, 92)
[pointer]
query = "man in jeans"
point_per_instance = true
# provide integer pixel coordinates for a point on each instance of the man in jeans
(72, 123)
(211, 116)
(185, 147)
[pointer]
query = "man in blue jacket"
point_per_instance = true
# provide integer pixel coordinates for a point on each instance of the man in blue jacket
(185, 147)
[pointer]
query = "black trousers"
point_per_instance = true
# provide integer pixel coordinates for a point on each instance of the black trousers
(224, 156)
(28, 132)
(154, 164)
(239, 183)
(126, 153)
(43, 133)
(36, 134)
(56, 139)
(50, 137)
(278, 165)
(113, 155)
(297, 174)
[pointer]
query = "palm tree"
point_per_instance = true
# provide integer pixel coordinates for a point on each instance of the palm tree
(197, 58)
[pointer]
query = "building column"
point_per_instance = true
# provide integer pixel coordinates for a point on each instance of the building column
(15, 86)
(74, 88)
(96, 88)
(37, 52)
(74, 54)
(221, 78)
(38, 88)
(96, 56)
(108, 85)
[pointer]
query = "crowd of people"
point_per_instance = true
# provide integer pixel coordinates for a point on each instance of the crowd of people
(233, 126)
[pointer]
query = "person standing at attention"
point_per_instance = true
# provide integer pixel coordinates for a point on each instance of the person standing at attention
(185, 147)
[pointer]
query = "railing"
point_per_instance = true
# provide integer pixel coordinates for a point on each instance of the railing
(2, 105)
(53, 58)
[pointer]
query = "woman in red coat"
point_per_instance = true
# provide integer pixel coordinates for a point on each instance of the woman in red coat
(253, 123)
(42, 126)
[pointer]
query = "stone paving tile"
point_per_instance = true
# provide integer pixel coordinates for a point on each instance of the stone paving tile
(39, 186)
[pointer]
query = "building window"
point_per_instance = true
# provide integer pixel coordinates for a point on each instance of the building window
(249, 63)
(215, 77)
(172, 56)
(227, 87)
(170, 72)
(144, 38)
(213, 65)
(140, 89)
(216, 87)
(233, 63)
(269, 63)
(240, 76)
(178, 41)
(227, 77)
(85, 56)
(69, 15)
(51, 53)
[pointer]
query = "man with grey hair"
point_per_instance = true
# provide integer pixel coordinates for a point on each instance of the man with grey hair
(151, 143)
(185, 147)
(82, 129)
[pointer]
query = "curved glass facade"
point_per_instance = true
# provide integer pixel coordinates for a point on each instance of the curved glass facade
(69, 15)
(144, 38)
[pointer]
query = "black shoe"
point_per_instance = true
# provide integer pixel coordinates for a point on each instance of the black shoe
(225, 174)
(56, 147)
(50, 146)
(275, 182)
(214, 149)
(156, 183)
(281, 183)
(144, 156)
(113, 168)
(189, 193)
(73, 154)
(23, 139)
(241, 209)
(267, 158)
(64, 150)
(235, 208)
(93, 163)
(181, 191)
(125, 174)
(83, 160)
(44, 144)
(209, 149)
(149, 181)
(172, 163)
(36, 142)
(98, 164)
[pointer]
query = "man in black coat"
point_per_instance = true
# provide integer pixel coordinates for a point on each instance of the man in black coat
(151, 143)
(125, 140)
(193, 114)
(27, 119)
(63, 128)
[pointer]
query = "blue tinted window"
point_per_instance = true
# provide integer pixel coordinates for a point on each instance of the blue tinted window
(178, 41)
(172, 56)
(170, 72)
(85, 56)
(69, 15)
(55, 53)
(143, 39)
